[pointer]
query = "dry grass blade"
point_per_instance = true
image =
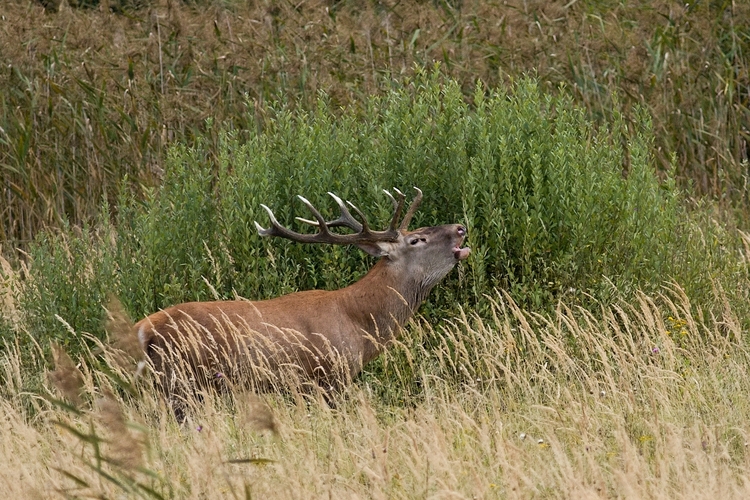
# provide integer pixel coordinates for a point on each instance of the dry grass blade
(255, 414)
(124, 447)
(127, 350)
(8, 281)
(66, 376)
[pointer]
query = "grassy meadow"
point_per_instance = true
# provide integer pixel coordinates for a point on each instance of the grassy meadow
(621, 403)
(594, 345)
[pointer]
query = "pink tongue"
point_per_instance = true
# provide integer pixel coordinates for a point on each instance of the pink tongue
(461, 253)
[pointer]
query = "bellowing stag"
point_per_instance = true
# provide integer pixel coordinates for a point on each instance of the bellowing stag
(319, 336)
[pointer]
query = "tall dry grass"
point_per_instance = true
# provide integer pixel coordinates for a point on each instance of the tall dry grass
(90, 96)
(642, 400)
(9, 282)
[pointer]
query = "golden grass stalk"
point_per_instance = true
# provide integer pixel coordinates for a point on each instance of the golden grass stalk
(255, 414)
(8, 284)
(66, 377)
(126, 447)
(642, 400)
(124, 348)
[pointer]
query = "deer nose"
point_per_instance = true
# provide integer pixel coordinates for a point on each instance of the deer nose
(461, 231)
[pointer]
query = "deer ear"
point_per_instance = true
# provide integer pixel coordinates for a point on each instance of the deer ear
(376, 249)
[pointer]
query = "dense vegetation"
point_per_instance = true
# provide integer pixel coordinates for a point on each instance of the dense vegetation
(557, 209)
(89, 96)
(594, 343)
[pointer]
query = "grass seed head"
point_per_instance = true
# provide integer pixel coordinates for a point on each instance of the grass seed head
(127, 350)
(125, 448)
(66, 377)
(255, 414)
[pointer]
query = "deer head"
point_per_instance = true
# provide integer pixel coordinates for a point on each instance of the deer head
(424, 255)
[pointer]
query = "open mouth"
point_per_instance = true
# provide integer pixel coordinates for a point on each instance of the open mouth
(461, 253)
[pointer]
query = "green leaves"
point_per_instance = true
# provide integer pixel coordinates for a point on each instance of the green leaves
(555, 206)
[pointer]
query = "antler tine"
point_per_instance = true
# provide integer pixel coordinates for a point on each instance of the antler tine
(322, 225)
(344, 220)
(393, 200)
(274, 223)
(398, 206)
(365, 227)
(412, 209)
(276, 229)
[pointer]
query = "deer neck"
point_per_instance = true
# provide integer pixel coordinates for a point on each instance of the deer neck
(384, 300)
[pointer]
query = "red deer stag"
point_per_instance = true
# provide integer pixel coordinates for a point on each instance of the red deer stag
(323, 336)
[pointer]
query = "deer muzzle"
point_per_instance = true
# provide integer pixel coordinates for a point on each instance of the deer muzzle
(458, 252)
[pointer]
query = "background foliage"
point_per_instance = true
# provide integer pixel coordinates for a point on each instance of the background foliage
(90, 95)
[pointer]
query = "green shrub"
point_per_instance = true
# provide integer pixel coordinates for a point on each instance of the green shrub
(555, 207)
(71, 275)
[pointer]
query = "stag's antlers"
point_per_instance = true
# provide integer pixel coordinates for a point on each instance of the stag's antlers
(363, 232)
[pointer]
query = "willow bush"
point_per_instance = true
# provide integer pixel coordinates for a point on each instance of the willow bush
(555, 207)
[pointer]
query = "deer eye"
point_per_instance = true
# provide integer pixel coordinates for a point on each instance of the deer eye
(414, 241)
